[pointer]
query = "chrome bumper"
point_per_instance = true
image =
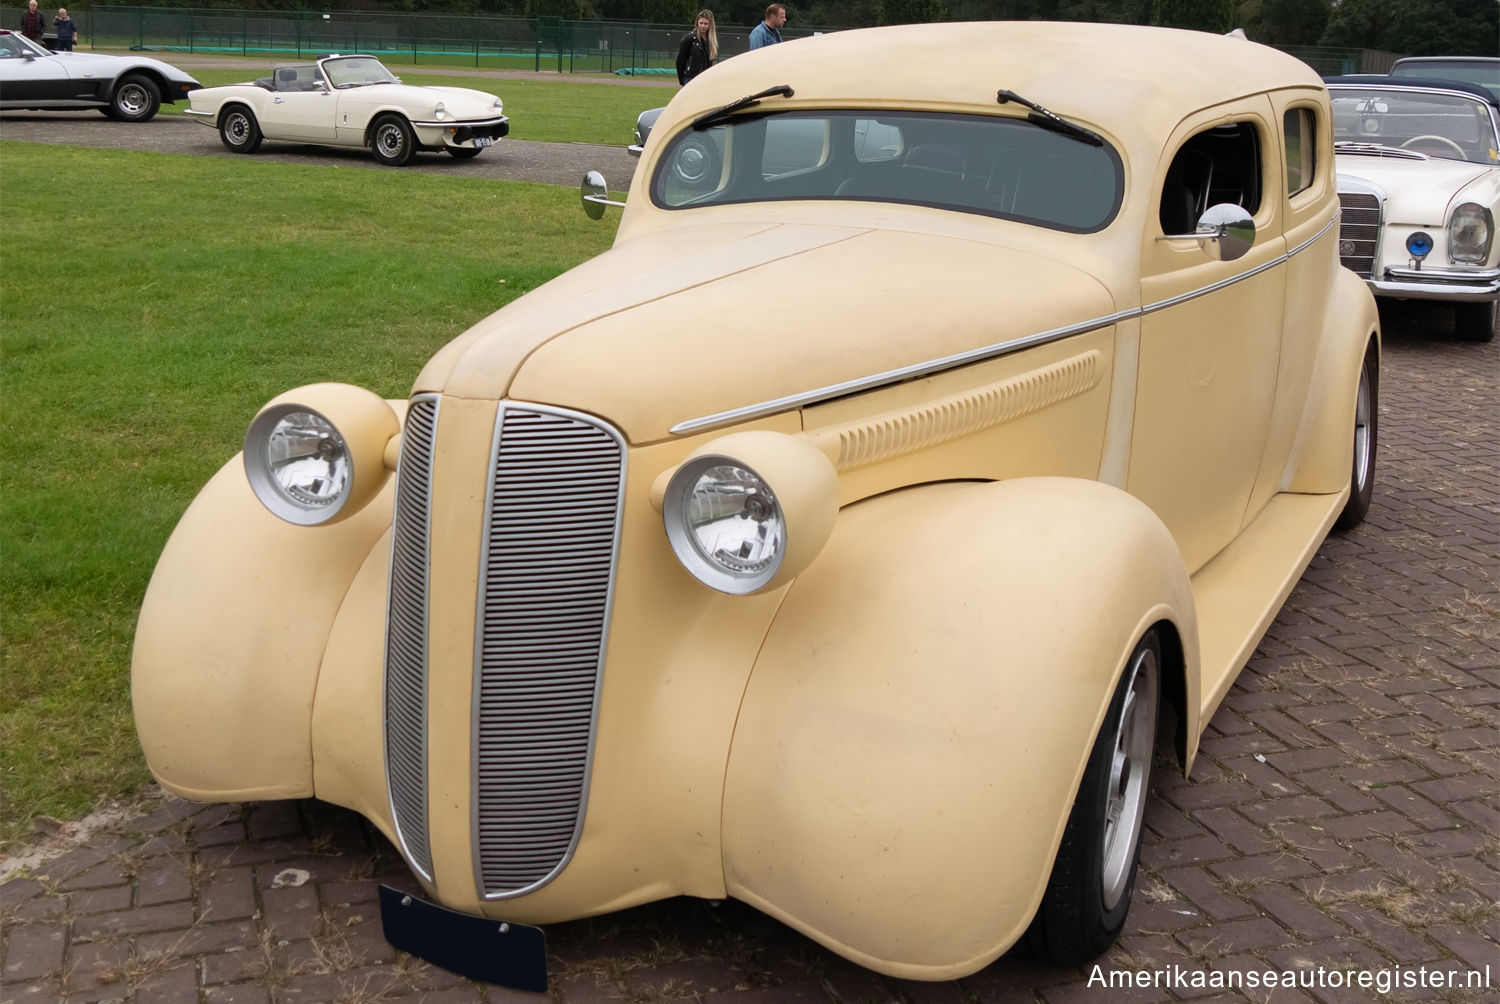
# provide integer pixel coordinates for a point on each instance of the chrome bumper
(1438, 284)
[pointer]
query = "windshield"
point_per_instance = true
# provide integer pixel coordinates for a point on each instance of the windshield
(1449, 126)
(986, 164)
(19, 46)
(357, 71)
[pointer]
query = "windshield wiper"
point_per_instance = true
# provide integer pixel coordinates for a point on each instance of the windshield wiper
(1050, 120)
(719, 115)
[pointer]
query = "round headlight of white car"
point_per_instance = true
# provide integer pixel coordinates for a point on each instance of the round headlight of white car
(735, 532)
(317, 454)
(1471, 231)
(440, 111)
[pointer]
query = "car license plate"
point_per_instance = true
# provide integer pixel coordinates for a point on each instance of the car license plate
(483, 141)
(491, 951)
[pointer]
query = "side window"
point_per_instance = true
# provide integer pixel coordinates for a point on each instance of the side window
(1301, 131)
(1214, 166)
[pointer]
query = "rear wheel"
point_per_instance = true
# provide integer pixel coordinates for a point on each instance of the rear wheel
(1474, 322)
(1366, 427)
(136, 99)
(238, 130)
(1088, 894)
(391, 141)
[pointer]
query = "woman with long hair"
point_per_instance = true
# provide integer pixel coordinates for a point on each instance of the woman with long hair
(699, 48)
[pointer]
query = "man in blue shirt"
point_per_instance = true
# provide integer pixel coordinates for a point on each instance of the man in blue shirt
(768, 32)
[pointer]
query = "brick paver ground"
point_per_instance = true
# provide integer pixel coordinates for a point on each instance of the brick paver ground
(1343, 814)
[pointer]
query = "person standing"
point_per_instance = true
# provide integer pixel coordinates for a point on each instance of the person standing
(66, 30)
(699, 49)
(32, 22)
(768, 32)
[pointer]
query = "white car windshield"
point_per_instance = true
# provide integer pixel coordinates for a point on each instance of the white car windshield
(1435, 123)
(14, 46)
(990, 165)
(357, 71)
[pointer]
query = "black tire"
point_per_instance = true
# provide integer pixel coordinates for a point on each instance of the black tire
(463, 152)
(392, 141)
(1088, 894)
(1474, 322)
(1366, 435)
(238, 129)
(136, 99)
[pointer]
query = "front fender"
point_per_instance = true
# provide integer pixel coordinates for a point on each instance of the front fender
(231, 635)
(921, 712)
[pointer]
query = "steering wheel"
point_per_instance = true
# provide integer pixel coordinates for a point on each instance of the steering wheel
(1438, 141)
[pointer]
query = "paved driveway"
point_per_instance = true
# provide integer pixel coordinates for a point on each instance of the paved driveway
(1343, 817)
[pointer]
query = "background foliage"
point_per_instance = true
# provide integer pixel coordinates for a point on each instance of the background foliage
(1425, 28)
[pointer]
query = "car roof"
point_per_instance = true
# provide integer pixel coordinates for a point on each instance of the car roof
(1413, 84)
(1124, 75)
(1455, 60)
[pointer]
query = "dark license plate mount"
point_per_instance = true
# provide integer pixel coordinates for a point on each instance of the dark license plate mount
(477, 948)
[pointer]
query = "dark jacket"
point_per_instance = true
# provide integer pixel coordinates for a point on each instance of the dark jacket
(66, 30)
(33, 24)
(692, 57)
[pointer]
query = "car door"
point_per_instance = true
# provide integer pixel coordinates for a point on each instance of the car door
(1210, 332)
(302, 107)
(27, 77)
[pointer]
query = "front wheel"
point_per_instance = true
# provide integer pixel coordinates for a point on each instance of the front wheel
(238, 130)
(1366, 427)
(1088, 894)
(391, 141)
(136, 99)
(1474, 322)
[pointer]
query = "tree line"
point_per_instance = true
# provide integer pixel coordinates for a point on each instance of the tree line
(1410, 27)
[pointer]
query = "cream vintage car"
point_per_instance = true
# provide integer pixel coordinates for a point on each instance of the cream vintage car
(351, 101)
(1419, 179)
(835, 540)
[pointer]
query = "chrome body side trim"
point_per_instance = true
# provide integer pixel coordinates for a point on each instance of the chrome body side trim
(995, 351)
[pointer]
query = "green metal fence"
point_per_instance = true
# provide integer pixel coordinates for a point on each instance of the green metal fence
(548, 44)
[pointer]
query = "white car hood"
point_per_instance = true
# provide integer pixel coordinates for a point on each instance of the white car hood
(1418, 192)
(460, 102)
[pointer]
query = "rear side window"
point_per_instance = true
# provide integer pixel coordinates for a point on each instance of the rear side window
(1214, 166)
(1299, 125)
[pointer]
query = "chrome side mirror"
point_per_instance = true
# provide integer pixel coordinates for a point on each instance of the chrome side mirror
(595, 195)
(1225, 232)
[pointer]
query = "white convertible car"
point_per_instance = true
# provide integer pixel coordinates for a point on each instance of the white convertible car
(351, 101)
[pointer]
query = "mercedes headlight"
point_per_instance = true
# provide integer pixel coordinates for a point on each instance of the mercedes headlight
(750, 511)
(317, 454)
(1471, 231)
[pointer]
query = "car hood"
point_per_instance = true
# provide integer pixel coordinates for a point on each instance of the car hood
(1418, 192)
(681, 324)
(98, 62)
(459, 101)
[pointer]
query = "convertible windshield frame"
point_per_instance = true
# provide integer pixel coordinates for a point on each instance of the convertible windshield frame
(1399, 117)
(340, 72)
(998, 165)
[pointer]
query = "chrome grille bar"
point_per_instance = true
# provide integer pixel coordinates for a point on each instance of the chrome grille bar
(1359, 232)
(547, 567)
(406, 636)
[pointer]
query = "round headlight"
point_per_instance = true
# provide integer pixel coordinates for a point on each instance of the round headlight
(1419, 244)
(318, 453)
(440, 111)
(1470, 234)
(731, 529)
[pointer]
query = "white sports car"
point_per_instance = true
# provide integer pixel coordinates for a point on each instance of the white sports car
(351, 101)
(129, 88)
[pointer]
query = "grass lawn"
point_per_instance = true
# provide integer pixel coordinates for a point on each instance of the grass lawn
(140, 332)
(549, 111)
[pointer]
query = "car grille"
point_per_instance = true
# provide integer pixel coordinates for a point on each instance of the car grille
(545, 576)
(406, 636)
(1359, 231)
